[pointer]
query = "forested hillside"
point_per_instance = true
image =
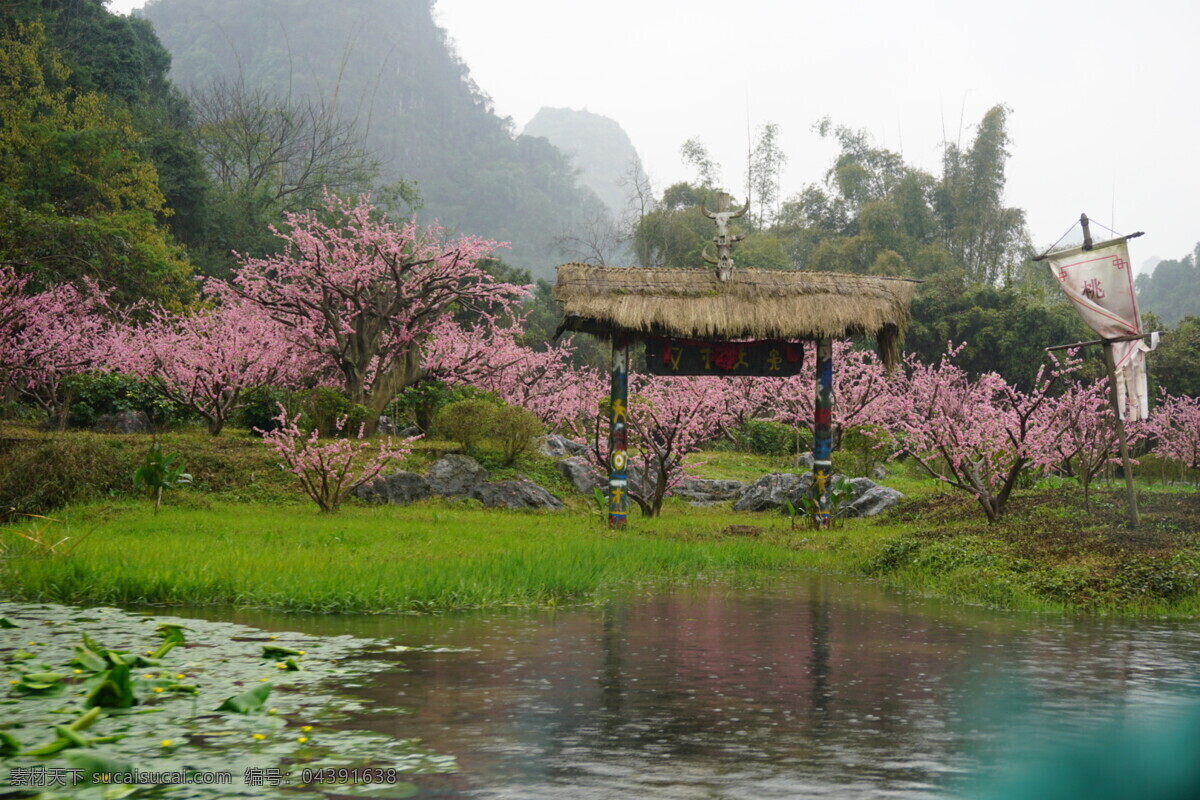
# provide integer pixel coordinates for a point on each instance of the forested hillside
(387, 70)
(1172, 291)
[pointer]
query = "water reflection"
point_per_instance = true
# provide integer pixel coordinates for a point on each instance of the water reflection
(806, 688)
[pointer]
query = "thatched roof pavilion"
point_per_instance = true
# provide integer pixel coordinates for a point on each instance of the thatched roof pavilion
(752, 304)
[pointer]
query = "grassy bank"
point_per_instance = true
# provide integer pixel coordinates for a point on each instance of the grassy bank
(244, 534)
(1047, 555)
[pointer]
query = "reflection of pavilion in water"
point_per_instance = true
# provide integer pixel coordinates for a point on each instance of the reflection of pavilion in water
(815, 684)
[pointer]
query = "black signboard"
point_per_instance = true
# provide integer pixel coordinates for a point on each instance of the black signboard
(770, 358)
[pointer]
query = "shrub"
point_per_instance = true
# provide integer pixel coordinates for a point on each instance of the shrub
(420, 404)
(262, 407)
(98, 394)
(514, 427)
(866, 447)
(466, 422)
(766, 437)
(323, 407)
(38, 476)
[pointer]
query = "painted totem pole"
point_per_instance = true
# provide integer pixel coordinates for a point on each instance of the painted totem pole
(823, 431)
(618, 458)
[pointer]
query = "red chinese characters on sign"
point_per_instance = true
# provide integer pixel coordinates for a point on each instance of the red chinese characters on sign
(666, 356)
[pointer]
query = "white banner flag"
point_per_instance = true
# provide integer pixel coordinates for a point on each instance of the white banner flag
(1100, 284)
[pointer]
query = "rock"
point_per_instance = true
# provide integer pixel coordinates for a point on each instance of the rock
(557, 446)
(803, 460)
(879, 472)
(741, 530)
(386, 426)
(455, 475)
(124, 422)
(872, 501)
(699, 490)
(514, 494)
(399, 487)
(582, 475)
(410, 431)
(767, 492)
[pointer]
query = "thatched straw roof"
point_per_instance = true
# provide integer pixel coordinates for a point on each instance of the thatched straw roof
(752, 304)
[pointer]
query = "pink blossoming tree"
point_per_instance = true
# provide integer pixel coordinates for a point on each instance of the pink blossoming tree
(365, 294)
(329, 469)
(1175, 428)
(205, 361)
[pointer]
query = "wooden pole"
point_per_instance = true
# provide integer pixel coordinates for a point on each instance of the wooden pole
(1130, 495)
(618, 459)
(823, 431)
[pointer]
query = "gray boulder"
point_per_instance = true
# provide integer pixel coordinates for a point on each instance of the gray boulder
(557, 446)
(399, 487)
(124, 422)
(582, 475)
(803, 460)
(455, 475)
(767, 492)
(386, 426)
(705, 492)
(879, 472)
(520, 493)
(872, 501)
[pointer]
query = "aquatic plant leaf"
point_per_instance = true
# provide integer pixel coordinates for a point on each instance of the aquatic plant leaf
(275, 651)
(5, 622)
(8, 744)
(88, 659)
(247, 702)
(114, 691)
(96, 766)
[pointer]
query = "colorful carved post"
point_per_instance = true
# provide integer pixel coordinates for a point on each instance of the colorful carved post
(618, 460)
(823, 431)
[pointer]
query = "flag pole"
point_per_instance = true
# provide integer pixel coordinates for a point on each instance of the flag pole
(1127, 468)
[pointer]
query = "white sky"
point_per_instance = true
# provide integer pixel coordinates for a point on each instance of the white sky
(1105, 96)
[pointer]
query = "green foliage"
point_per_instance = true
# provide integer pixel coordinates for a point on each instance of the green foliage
(467, 422)
(1172, 291)
(39, 475)
(865, 447)
(160, 471)
(76, 195)
(1175, 364)
(322, 407)
(766, 437)
(98, 394)
(260, 407)
(420, 404)
(514, 428)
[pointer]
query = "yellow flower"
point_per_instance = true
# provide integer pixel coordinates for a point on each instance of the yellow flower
(301, 652)
(77, 671)
(281, 665)
(272, 711)
(302, 739)
(165, 743)
(157, 689)
(273, 637)
(306, 728)
(14, 683)
(180, 676)
(147, 676)
(264, 680)
(258, 737)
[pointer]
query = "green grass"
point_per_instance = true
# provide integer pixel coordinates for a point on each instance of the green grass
(424, 557)
(244, 534)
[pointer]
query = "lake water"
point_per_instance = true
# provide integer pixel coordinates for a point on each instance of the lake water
(804, 687)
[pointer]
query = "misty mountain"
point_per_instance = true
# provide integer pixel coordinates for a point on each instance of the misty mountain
(599, 147)
(388, 66)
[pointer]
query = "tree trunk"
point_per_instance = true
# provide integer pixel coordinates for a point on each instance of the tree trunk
(404, 372)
